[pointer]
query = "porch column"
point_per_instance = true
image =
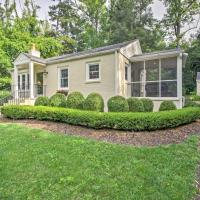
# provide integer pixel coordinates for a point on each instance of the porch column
(31, 74)
(15, 87)
(179, 79)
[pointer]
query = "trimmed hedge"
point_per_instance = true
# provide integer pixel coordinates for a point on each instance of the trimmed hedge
(167, 105)
(57, 100)
(135, 105)
(42, 101)
(94, 102)
(118, 104)
(98, 120)
(75, 100)
(148, 105)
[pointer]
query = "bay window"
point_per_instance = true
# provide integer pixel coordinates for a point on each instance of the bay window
(154, 78)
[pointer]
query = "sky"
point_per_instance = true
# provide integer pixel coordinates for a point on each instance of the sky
(158, 8)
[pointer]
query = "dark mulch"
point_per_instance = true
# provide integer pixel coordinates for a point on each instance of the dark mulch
(153, 138)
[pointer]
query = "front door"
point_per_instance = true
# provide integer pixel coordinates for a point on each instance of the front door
(39, 85)
(23, 85)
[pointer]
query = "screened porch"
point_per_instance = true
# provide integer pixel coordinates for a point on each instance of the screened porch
(157, 76)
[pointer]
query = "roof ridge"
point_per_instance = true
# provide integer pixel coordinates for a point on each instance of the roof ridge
(106, 47)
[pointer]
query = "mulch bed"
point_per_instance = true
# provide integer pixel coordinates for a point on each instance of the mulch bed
(145, 138)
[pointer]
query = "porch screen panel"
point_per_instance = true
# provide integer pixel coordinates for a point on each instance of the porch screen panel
(137, 79)
(169, 77)
(152, 78)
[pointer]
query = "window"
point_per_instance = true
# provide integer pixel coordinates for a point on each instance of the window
(126, 72)
(64, 82)
(154, 78)
(93, 72)
(28, 81)
(23, 81)
(19, 83)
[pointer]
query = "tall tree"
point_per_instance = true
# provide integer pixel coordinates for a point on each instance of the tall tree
(130, 19)
(82, 20)
(180, 14)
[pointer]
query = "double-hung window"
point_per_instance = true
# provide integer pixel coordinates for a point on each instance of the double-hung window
(93, 72)
(63, 78)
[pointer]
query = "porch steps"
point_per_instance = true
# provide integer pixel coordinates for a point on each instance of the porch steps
(20, 102)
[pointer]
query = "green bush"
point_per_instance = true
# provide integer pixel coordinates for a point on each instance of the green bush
(5, 83)
(135, 105)
(42, 101)
(167, 105)
(94, 102)
(195, 97)
(118, 104)
(57, 100)
(190, 103)
(148, 105)
(75, 100)
(121, 121)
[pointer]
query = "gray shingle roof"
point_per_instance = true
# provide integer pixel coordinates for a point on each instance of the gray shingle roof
(91, 51)
(88, 52)
(34, 58)
(159, 52)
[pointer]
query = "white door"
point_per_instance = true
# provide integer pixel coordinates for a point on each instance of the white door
(23, 85)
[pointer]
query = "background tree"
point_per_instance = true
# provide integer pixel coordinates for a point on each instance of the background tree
(130, 19)
(180, 14)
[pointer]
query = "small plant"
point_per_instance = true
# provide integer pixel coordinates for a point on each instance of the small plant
(148, 105)
(42, 101)
(57, 100)
(94, 102)
(118, 104)
(167, 105)
(75, 100)
(135, 105)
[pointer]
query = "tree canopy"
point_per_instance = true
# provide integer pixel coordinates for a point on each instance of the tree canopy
(76, 25)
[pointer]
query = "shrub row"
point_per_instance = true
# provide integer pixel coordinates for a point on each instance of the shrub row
(95, 102)
(98, 120)
(75, 100)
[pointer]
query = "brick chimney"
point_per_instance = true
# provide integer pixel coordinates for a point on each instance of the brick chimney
(34, 52)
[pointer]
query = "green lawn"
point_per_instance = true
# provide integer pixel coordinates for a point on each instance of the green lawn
(35, 164)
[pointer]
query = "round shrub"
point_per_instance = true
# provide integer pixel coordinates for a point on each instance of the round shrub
(57, 100)
(167, 105)
(75, 100)
(118, 104)
(94, 102)
(42, 101)
(135, 105)
(148, 105)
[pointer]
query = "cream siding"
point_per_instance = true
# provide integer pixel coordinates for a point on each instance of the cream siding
(77, 76)
(123, 84)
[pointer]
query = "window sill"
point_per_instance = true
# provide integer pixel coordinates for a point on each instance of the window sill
(92, 81)
(64, 89)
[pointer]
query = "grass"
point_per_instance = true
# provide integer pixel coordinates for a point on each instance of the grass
(35, 164)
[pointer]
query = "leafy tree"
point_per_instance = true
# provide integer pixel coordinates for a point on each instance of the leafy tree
(18, 33)
(180, 13)
(192, 66)
(132, 19)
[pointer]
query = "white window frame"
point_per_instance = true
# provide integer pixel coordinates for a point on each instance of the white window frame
(87, 72)
(59, 78)
(26, 81)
